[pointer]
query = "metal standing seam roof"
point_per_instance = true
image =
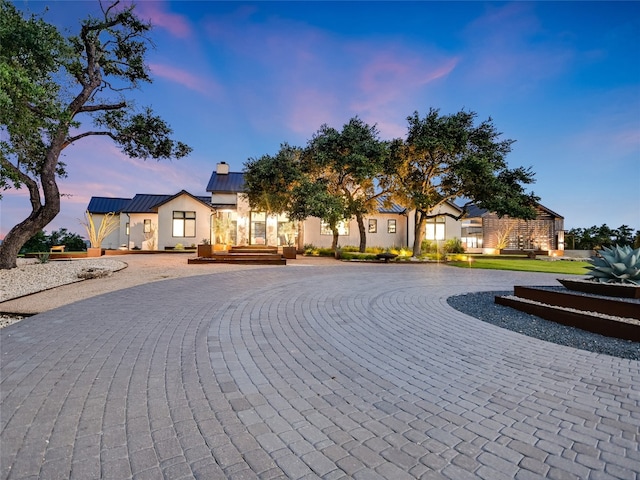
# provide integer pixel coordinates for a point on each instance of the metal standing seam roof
(144, 203)
(389, 208)
(204, 199)
(107, 204)
(474, 211)
(232, 182)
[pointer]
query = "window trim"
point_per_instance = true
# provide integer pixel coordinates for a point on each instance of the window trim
(185, 220)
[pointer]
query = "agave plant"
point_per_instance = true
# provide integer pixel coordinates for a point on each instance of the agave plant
(616, 265)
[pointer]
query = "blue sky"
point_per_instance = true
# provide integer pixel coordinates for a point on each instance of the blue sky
(237, 79)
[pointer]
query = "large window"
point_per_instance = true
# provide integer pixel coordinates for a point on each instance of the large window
(184, 224)
(435, 229)
(391, 226)
(147, 226)
(373, 225)
(343, 229)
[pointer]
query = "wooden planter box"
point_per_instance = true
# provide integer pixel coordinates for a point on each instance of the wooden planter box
(205, 251)
(289, 252)
(597, 288)
(94, 252)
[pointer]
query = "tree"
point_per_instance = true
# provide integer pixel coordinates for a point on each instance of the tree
(447, 157)
(269, 180)
(313, 199)
(72, 241)
(51, 85)
(352, 163)
(595, 237)
(41, 242)
(37, 243)
(623, 235)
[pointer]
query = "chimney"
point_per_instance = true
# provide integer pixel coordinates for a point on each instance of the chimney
(222, 168)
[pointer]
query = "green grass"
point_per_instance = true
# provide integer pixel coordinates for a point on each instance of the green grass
(525, 265)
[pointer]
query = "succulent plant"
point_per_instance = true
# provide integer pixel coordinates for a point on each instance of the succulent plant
(616, 265)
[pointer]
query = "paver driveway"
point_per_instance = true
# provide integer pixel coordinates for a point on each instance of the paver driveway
(348, 371)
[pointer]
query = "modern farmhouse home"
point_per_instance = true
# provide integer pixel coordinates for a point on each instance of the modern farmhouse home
(159, 222)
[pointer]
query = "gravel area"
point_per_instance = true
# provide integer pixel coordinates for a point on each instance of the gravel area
(482, 306)
(30, 276)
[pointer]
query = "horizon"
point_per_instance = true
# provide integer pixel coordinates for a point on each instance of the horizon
(236, 79)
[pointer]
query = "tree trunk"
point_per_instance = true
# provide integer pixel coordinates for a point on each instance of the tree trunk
(41, 214)
(334, 242)
(418, 233)
(363, 232)
(21, 233)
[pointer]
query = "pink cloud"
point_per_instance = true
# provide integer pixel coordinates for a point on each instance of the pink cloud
(311, 108)
(155, 12)
(193, 82)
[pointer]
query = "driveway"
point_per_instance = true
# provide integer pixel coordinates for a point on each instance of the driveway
(308, 371)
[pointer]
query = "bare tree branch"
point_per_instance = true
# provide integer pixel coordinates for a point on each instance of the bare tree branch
(97, 108)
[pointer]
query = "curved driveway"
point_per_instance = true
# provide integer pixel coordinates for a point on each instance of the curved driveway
(348, 371)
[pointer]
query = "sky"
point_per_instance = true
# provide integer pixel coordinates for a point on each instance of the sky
(237, 79)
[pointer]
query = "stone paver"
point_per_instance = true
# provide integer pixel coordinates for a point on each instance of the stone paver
(300, 372)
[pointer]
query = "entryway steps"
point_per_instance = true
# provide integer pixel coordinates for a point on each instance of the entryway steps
(245, 255)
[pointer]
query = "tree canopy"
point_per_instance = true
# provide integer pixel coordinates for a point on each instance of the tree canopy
(351, 163)
(56, 90)
(446, 158)
(343, 174)
(269, 180)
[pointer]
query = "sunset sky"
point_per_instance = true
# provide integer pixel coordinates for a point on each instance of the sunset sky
(236, 79)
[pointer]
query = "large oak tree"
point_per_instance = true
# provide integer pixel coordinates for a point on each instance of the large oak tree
(352, 164)
(446, 158)
(55, 91)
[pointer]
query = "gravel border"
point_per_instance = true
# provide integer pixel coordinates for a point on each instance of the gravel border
(482, 306)
(30, 276)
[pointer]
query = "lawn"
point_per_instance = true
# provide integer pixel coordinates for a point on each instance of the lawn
(525, 265)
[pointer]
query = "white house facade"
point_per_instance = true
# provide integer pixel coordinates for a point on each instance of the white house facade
(223, 217)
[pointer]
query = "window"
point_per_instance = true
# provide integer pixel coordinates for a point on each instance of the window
(343, 228)
(373, 225)
(147, 226)
(391, 226)
(184, 224)
(435, 229)
(258, 228)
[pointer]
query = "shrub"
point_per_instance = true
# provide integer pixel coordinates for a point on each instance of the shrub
(453, 245)
(428, 246)
(357, 256)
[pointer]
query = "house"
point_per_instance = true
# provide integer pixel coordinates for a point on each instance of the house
(485, 232)
(154, 222)
(158, 222)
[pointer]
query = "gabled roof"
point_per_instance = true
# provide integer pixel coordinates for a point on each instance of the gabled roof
(231, 182)
(107, 204)
(204, 200)
(144, 203)
(474, 211)
(550, 212)
(392, 207)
